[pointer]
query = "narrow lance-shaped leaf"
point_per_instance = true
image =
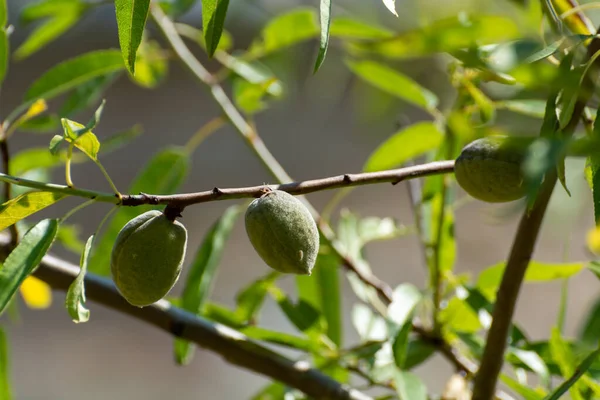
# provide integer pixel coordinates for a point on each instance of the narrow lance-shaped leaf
(324, 40)
(213, 20)
(594, 164)
(74, 72)
(25, 258)
(409, 386)
(60, 19)
(75, 301)
(5, 392)
(251, 298)
(327, 278)
(131, 19)
(393, 82)
(25, 205)
(405, 145)
(162, 175)
(202, 273)
(579, 372)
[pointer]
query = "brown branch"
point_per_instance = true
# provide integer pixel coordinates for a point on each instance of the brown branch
(14, 232)
(232, 345)
(296, 188)
(518, 260)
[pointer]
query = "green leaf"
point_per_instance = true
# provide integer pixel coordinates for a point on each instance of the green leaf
(151, 65)
(404, 145)
(76, 71)
(87, 94)
(131, 19)
(286, 30)
(531, 108)
(489, 279)
(202, 273)
(445, 35)
(5, 392)
(3, 13)
(251, 298)
(249, 96)
(565, 359)
(62, 15)
(162, 175)
(589, 332)
(409, 386)
(41, 124)
(75, 301)
(526, 392)
(393, 82)
(33, 158)
(368, 325)
(594, 163)
(25, 258)
(353, 29)
(213, 19)
(25, 205)
(280, 338)
(273, 391)
(325, 19)
(176, 8)
(327, 279)
(87, 142)
(68, 237)
(256, 73)
(579, 372)
(304, 315)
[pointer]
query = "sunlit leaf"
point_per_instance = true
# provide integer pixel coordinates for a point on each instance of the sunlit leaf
(446, 35)
(151, 65)
(25, 205)
(213, 19)
(304, 315)
(405, 145)
(489, 279)
(25, 258)
(394, 82)
(162, 175)
(355, 29)
(565, 359)
(202, 274)
(87, 142)
(286, 30)
(36, 293)
(75, 301)
(131, 20)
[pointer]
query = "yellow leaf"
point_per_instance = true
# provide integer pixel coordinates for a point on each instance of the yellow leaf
(36, 293)
(36, 109)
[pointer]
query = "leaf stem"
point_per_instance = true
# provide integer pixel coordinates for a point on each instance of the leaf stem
(68, 166)
(110, 182)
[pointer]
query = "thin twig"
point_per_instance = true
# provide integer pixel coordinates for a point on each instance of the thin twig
(518, 260)
(295, 188)
(232, 345)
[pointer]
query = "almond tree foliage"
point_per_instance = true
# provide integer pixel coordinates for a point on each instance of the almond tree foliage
(533, 58)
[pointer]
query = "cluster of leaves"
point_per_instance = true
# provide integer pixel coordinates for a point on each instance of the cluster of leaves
(484, 52)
